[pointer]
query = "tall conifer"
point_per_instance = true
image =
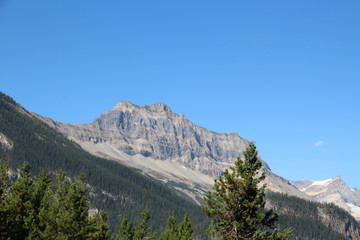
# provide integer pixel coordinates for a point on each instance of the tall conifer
(185, 229)
(236, 206)
(171, 230)
(142, 230)
(126, 231)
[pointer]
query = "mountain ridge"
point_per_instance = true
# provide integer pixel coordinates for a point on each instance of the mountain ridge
(117, 189)
(113, 187)
(333, 190)
(164, 144)
(168, 146)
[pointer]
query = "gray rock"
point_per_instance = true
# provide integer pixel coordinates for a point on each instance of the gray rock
(5, 142)
(334, 191)
(165, 145)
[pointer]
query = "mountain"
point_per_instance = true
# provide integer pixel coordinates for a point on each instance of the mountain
(121, 190)
(165, 145)
(113, 187)
(334, 191)
(313, 220)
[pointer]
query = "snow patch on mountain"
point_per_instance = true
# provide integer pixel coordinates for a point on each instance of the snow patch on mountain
(323, 182)
(317, 183)
(333, 190)
(354, 210)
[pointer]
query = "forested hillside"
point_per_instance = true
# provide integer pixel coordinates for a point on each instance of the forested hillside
(120, 190)
(117, 189)
(312, 220)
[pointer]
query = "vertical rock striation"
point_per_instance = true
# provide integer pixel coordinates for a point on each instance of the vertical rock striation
(164, 144)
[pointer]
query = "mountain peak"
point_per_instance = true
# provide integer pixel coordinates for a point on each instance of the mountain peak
(305, 185)
(159, 107)
(333, 190)
(124, 105)
(156, 107)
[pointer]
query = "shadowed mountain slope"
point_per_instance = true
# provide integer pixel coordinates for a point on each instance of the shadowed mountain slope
(122, 190)
(115, 188)
(165, 145)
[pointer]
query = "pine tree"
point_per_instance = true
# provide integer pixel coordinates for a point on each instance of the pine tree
(142, 230)
(3, 181)
(48, 216)
(181, 231)
(98, 229)
(126, 231)
(236, 206)
(33, 210)
(185, 229)
(33, 221)
(79, 208)
(18, 205)
(171, 231)
(4, 213)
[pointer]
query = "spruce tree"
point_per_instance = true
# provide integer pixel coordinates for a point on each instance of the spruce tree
(181, 231)
(142, 230)
(4, 213)
(236, 206)
(126, 231)
(33, 221)
(99, 228)
(185, 229)
(18, 205)
(171, 231)
(3, 181)
(31, 209)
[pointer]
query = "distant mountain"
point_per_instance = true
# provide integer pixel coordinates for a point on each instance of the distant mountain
(334, 191)
(313, 220)
(165, 145)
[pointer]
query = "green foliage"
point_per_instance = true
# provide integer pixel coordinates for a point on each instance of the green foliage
(171, 230)
(3, 193)
(236, 206)
(38, 210)
(142, 231)
(126, 231)
(43, 209)
(186, 231)
(272, 235)
(304, 217)
(117, 189)
(18, 206)
(181, 231)
(99, 229)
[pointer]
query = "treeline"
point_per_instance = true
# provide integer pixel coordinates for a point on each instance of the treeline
(307, 219)
(39, 208)
(117, 189)
(122, 191)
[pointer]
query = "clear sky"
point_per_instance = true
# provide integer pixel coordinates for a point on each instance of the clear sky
(285, 74)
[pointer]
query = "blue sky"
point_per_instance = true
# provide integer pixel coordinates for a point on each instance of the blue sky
(285, 74)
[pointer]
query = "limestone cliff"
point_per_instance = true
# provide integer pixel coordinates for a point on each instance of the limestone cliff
(164, 144)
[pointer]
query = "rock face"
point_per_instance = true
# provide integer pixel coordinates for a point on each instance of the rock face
(164, 144)
(154, 131)
(334, 191)
(5, 142)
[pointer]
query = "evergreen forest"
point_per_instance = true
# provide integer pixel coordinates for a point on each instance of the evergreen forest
(125, 193)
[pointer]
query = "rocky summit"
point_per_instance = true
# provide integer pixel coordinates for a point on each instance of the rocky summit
(332, 190)
(165, 145)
